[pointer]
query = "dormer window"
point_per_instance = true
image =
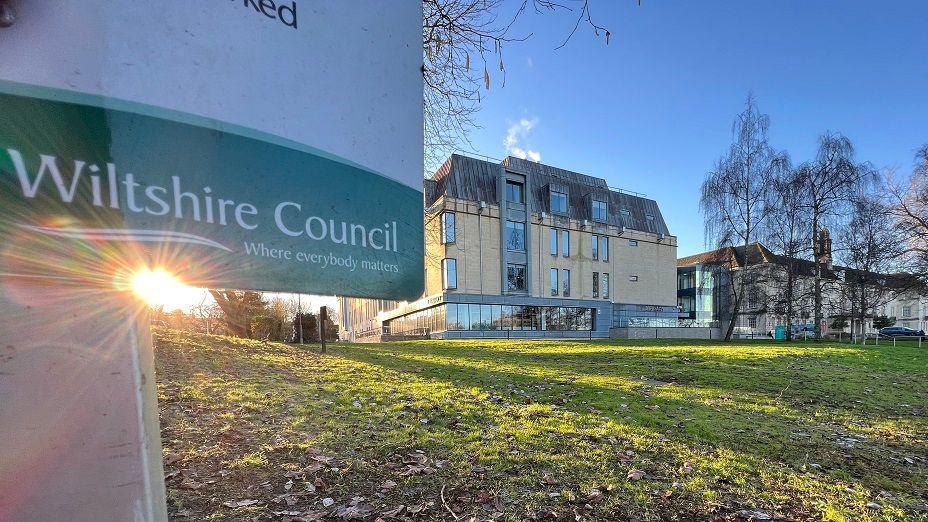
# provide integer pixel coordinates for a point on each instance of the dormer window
(515, 192)
(625, 212)
(558, 202)
(599, 211)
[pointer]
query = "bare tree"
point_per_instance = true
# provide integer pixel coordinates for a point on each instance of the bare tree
(208, 314)
(869, 250)
(787, 234)
(735, 194)
(463, 43)
(831, 181)
(910, 210)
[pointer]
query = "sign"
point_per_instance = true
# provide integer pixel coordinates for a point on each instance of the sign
(269, 145)
(253, 145)
(224, 208)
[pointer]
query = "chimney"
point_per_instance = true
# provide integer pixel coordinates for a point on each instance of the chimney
(823, 247)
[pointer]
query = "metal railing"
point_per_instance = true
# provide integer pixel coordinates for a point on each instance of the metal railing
(876, 338)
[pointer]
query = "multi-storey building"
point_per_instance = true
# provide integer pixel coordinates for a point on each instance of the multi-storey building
(774, 282)
(908, 309)
(523, 249)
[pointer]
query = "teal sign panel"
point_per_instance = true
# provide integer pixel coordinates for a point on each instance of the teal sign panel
(89, 178)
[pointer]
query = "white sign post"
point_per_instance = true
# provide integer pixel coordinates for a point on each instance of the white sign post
(253, 144)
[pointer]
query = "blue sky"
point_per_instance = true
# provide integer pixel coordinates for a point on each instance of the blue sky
(652, 111)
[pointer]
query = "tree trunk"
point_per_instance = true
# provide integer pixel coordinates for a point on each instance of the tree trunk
(863, 311)
(790, 293)
(734, 317)
(235, 318)
(817, 296)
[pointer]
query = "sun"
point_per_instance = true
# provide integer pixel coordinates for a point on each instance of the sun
(159, 288)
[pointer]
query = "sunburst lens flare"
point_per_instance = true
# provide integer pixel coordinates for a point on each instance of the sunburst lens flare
(157, 287)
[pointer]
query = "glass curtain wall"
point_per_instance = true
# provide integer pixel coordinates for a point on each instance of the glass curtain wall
(484, 317)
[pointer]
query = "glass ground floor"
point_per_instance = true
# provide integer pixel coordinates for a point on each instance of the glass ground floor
(489, 317)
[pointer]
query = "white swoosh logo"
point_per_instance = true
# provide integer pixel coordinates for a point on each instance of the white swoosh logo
(118, 234)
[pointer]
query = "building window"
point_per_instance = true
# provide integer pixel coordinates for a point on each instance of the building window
(649, 217)
(599, 211)
(515, 278)
(752, 321)
(447, 227)
(515, 235)
(553, 241)
(604, 247)
(595, 245)
(515, 192)
(605, 283)
(554, 281)
(558, 202)
(475, 323)
(449, 273)
(565, 243)
(453, 316)
(633, 278)
(632, 242)
(684, 281)
(906, 311)
(565, 282)
(595, 285)
(625, 213)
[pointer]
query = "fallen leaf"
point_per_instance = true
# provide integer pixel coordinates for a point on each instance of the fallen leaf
(636, 474)
(240, 503)
(417, 469)
(395, 512)
(189, 483)
(171, 458)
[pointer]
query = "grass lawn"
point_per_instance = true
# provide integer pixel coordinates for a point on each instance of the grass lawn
(546, 430)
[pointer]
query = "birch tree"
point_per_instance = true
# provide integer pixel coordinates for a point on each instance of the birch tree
(869, 249)
(909, 207)
(735, 194)
(831, 180)
(787, 234)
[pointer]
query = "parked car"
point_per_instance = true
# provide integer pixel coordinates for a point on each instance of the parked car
(900, 331)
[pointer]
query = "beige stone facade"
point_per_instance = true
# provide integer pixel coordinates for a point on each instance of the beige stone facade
(641, 267)
(488, 251)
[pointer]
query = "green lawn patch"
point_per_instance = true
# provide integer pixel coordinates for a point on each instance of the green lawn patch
(544, 430)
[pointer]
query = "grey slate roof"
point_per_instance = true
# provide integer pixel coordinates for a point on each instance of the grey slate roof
(474, 179)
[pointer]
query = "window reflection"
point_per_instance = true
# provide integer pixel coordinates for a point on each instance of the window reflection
(470, 316)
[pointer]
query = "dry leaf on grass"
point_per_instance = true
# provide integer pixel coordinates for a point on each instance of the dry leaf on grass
(240, 503)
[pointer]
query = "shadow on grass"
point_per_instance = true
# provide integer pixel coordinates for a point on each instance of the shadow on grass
(792, 434)
(467, 388)
(831, 376)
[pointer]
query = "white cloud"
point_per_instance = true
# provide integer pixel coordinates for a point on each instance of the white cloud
(517, 135)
